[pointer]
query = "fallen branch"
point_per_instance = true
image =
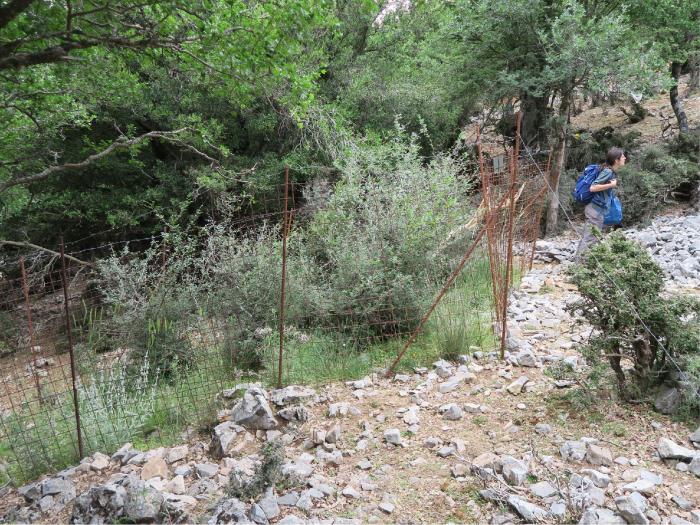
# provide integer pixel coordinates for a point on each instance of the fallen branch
(47, 250)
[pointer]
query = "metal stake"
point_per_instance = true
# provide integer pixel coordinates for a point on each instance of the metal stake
(69, 332)
(509, 246)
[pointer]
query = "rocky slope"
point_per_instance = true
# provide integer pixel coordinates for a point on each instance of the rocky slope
(481, 440)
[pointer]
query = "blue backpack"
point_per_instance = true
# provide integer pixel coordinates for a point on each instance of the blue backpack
(582, 191)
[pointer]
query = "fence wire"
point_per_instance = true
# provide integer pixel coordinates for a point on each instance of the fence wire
(159, 326)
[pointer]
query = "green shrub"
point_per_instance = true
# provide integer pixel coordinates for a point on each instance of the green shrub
(591, 147)
(621, 288)
(364, 262)
(385, 236)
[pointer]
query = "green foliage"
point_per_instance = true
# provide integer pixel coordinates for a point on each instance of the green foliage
(389, 231)
(652, 181)
(164, 65)
(363, 264)
(590, 148)
(621, 298)
(690, 387)
(462, 320)
(398, 67)
(119, 404)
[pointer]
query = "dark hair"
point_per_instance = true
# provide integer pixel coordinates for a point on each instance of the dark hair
(613, 155)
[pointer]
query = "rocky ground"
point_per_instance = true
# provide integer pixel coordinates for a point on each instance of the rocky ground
(481, 440)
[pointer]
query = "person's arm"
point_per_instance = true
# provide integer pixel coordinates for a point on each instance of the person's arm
(602, 187)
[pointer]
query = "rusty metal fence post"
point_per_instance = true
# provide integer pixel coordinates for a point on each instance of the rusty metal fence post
(285, 228)
(509, 246)
(69, 333)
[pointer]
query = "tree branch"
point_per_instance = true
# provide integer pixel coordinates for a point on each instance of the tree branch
(10, 11)
(59, 53)
(120, 143)
(190, 147)
(41, 248)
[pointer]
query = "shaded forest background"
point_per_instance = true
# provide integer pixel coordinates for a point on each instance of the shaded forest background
(119, 120)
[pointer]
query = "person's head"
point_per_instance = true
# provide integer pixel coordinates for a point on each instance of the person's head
(615, 158)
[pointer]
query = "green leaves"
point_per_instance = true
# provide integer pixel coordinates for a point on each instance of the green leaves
(621, 288)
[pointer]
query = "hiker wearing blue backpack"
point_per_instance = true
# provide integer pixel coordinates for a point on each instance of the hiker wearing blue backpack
(596, 188)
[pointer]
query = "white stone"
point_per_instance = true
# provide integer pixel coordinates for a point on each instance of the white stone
(393, 436)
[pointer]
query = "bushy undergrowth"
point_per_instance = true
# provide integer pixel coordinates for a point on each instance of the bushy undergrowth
(641, 334)
(364, 262)
(362, 265)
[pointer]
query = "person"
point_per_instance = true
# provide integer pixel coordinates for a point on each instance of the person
(603, 190)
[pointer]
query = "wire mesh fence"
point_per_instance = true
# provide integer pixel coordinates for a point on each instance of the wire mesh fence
(133, 342)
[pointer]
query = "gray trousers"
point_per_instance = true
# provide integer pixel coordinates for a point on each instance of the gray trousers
(588, 239)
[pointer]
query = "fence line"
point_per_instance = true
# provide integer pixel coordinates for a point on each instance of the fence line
(136, 348)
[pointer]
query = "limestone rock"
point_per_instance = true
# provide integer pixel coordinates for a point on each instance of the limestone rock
(231, 510)
(630, 511)
(100, 462)
(514, 471)
(206, 470)
(342, 410)
(526, 358)
(292, 395)
(176, 485)
(573, 450)
(695, 436)
(224, 439)
(176, 454)
(668, 400)
(694, 467)
(517, 386)
(257, 515)
(487, 460)
(599, 479)
(392, 436)
(543, 489)
(455, 382)
(451, 412)
(600, 516)
(253, 411)
(142, 504)
(156, 467)
(669, 450)
(100, 504)
(298, 414)
(529, 512)
(598, 455)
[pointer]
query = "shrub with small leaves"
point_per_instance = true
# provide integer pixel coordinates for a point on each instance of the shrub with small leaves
(635, 324)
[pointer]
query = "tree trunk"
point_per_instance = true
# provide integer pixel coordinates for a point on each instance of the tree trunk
(694, 70)
(534, 117)
(615, 360)
(644, 359)
(554, 176)
(676, 103)
(559, 156)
